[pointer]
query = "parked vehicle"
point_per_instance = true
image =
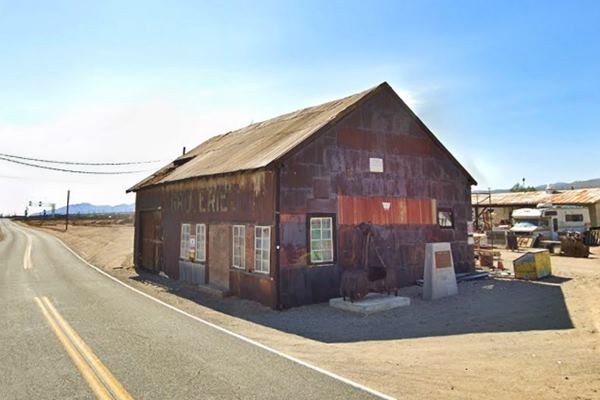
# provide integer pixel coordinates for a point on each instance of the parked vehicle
(550, 221)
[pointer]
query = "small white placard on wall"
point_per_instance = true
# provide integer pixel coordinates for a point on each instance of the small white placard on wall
(376, 164)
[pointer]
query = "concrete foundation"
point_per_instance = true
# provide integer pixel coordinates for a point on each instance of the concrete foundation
(372, 303)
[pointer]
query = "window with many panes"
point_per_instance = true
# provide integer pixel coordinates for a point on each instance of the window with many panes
(321, 240)
(262, 248)
(185, 241)
(239, 246)
(200, 242)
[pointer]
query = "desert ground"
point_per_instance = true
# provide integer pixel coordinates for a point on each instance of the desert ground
(499, 338)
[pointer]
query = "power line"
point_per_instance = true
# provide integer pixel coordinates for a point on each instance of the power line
(79, 163)
(73, 171)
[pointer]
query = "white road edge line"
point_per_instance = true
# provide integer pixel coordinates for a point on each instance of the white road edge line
(236, 335)
(27, 256)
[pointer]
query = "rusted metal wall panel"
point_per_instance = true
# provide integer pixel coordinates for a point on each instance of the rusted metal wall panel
(385, 210)
(309, 285)
(246, 198)
(331, 175)
(219, 202)
(256, 287)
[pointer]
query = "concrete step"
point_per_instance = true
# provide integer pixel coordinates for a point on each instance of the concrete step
(371, 303)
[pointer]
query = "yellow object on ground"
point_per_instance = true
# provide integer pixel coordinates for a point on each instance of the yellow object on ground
(533, 265)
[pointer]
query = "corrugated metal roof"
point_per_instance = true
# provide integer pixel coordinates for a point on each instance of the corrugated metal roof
(254, 146)
(575, 197)
(259, 144)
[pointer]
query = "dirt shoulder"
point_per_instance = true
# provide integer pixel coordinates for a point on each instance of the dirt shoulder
(106, 246)
(499, 338)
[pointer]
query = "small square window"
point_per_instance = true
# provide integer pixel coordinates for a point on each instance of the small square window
(445, 218)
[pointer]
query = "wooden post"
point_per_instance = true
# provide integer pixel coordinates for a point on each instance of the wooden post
(67, 215)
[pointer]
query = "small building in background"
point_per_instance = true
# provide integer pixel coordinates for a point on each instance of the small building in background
(502, 205)
(270, 212)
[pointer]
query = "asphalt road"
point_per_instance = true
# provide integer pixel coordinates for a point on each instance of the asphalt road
(67, 331)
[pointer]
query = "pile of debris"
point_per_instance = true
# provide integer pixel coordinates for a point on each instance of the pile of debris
(572, 245)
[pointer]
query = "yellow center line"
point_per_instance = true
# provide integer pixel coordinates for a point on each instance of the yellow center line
(113, 384)
(100, 379)
(27, 256)
(85, 370)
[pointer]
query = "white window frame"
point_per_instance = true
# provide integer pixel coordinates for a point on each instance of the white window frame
(184, 241)
(200, 244)
(321, 240)
(238, 237)
(262, 253)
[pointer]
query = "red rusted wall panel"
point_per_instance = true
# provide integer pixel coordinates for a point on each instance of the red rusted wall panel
(356, 209)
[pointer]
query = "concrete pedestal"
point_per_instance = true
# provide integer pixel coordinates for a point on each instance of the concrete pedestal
(439, 277)
(371, 303)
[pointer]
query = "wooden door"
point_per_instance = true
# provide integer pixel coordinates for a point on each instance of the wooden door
(151, 240)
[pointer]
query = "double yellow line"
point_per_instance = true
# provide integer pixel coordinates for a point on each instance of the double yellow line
(104, 385)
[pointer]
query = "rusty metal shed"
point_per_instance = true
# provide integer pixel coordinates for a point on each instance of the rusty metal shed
(269, 212)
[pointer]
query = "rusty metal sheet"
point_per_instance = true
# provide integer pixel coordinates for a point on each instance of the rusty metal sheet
(260, 288)
(246, 197)
(378, 210)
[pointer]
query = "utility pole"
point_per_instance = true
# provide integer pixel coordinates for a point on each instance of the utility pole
(67, 215)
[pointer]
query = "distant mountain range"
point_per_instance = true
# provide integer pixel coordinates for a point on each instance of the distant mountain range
(590, 183)
(87, 208)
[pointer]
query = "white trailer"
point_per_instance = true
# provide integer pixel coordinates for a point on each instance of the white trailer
(550, 220)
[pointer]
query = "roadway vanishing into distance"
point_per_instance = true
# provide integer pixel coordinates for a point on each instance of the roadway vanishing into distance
(67, 331)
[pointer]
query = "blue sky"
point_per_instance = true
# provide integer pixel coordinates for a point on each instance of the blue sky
(511, 88)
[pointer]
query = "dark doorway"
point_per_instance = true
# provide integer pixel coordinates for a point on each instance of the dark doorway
(151, 240)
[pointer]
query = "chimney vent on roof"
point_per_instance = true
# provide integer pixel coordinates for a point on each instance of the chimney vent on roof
(550, 189)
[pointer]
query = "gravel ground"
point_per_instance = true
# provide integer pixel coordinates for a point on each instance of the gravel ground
(499, 338)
